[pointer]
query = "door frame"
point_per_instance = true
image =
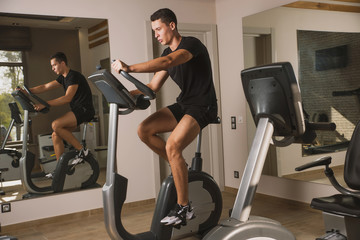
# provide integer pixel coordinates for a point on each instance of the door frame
(215, 130)
(267, 55)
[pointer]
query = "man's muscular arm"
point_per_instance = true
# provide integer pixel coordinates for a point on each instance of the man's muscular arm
(155, 65)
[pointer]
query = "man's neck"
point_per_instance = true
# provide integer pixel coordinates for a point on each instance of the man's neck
(67, 70)
(175, 42)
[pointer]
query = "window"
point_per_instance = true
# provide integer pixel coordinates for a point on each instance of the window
(11, 76)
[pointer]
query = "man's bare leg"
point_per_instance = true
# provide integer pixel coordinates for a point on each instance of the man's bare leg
(58, 145)
(63, 128)
(160, 122)
(183, 134)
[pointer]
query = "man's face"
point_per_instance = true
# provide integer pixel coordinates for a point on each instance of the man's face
(56, 66)
(163, 32)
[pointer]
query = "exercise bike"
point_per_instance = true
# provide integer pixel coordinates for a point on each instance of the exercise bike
(204, 193)
(274, 98)
(67, 176)
(47, 158)
(10, 158)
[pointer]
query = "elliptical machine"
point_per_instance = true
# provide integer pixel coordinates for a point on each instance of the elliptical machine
(274, 98)
(204, 193)
(10, 158)
(66, 175)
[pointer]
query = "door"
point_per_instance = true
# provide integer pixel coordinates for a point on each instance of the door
(212, 151)
(167, 96)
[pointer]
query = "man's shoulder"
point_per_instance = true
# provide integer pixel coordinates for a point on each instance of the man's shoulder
(192, 44)
(191, 39)
(75, 74)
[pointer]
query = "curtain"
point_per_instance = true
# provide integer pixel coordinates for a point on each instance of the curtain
(15, 38)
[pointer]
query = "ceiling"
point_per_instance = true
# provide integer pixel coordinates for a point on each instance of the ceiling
(62, 22)
(330, 5)
(43, 21)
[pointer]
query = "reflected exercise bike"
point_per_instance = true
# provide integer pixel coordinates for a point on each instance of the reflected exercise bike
(67, 176)
(10, 158)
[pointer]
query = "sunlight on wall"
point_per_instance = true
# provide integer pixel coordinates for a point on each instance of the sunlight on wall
(344, 123)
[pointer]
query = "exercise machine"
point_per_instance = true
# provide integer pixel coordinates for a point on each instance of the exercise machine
(341, 212)
(7, 238)
(47, 157)
(67, 176)
(9, 158)
(204, 193)
(274, 98)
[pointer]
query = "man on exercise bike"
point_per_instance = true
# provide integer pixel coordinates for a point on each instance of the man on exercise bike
(187, 61)
(78, 94)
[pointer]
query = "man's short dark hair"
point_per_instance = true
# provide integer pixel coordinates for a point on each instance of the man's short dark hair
(166, 15)
(60, 57)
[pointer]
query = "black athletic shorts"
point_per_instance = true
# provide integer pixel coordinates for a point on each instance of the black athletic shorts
(83, 114)
(202, 114)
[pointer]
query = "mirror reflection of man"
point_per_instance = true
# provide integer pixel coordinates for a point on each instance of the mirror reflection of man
(78, 95)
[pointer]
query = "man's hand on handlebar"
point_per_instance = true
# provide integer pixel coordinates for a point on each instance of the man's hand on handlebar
(119, 65)
(21, 90)
(38, 107)
(136, 92)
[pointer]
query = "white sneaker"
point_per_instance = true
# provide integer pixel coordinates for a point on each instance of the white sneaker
(179, 215)
(80, 156)
(49, 175)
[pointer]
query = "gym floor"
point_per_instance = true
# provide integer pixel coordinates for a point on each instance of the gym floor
(299, 218)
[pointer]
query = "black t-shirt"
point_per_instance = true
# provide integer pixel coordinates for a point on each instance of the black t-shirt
(195, 76)
(83, 96)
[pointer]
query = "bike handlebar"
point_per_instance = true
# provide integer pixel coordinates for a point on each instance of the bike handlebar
(323, 126)
(346, 93)
(149, 94)
(43, 102)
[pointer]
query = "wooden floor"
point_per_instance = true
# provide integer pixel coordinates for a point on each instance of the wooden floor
(304, 222)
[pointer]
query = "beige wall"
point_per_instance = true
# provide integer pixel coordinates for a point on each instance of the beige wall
(90, 58)
(127, 19)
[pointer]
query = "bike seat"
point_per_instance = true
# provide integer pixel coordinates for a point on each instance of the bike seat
(217, 120)
(340, 204)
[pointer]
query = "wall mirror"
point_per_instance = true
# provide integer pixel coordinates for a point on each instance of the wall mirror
(323, 48)
(26, 44)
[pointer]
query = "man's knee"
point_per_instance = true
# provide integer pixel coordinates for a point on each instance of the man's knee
(143, 132)
(55, 125)
(173, 150)
(55, 137)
